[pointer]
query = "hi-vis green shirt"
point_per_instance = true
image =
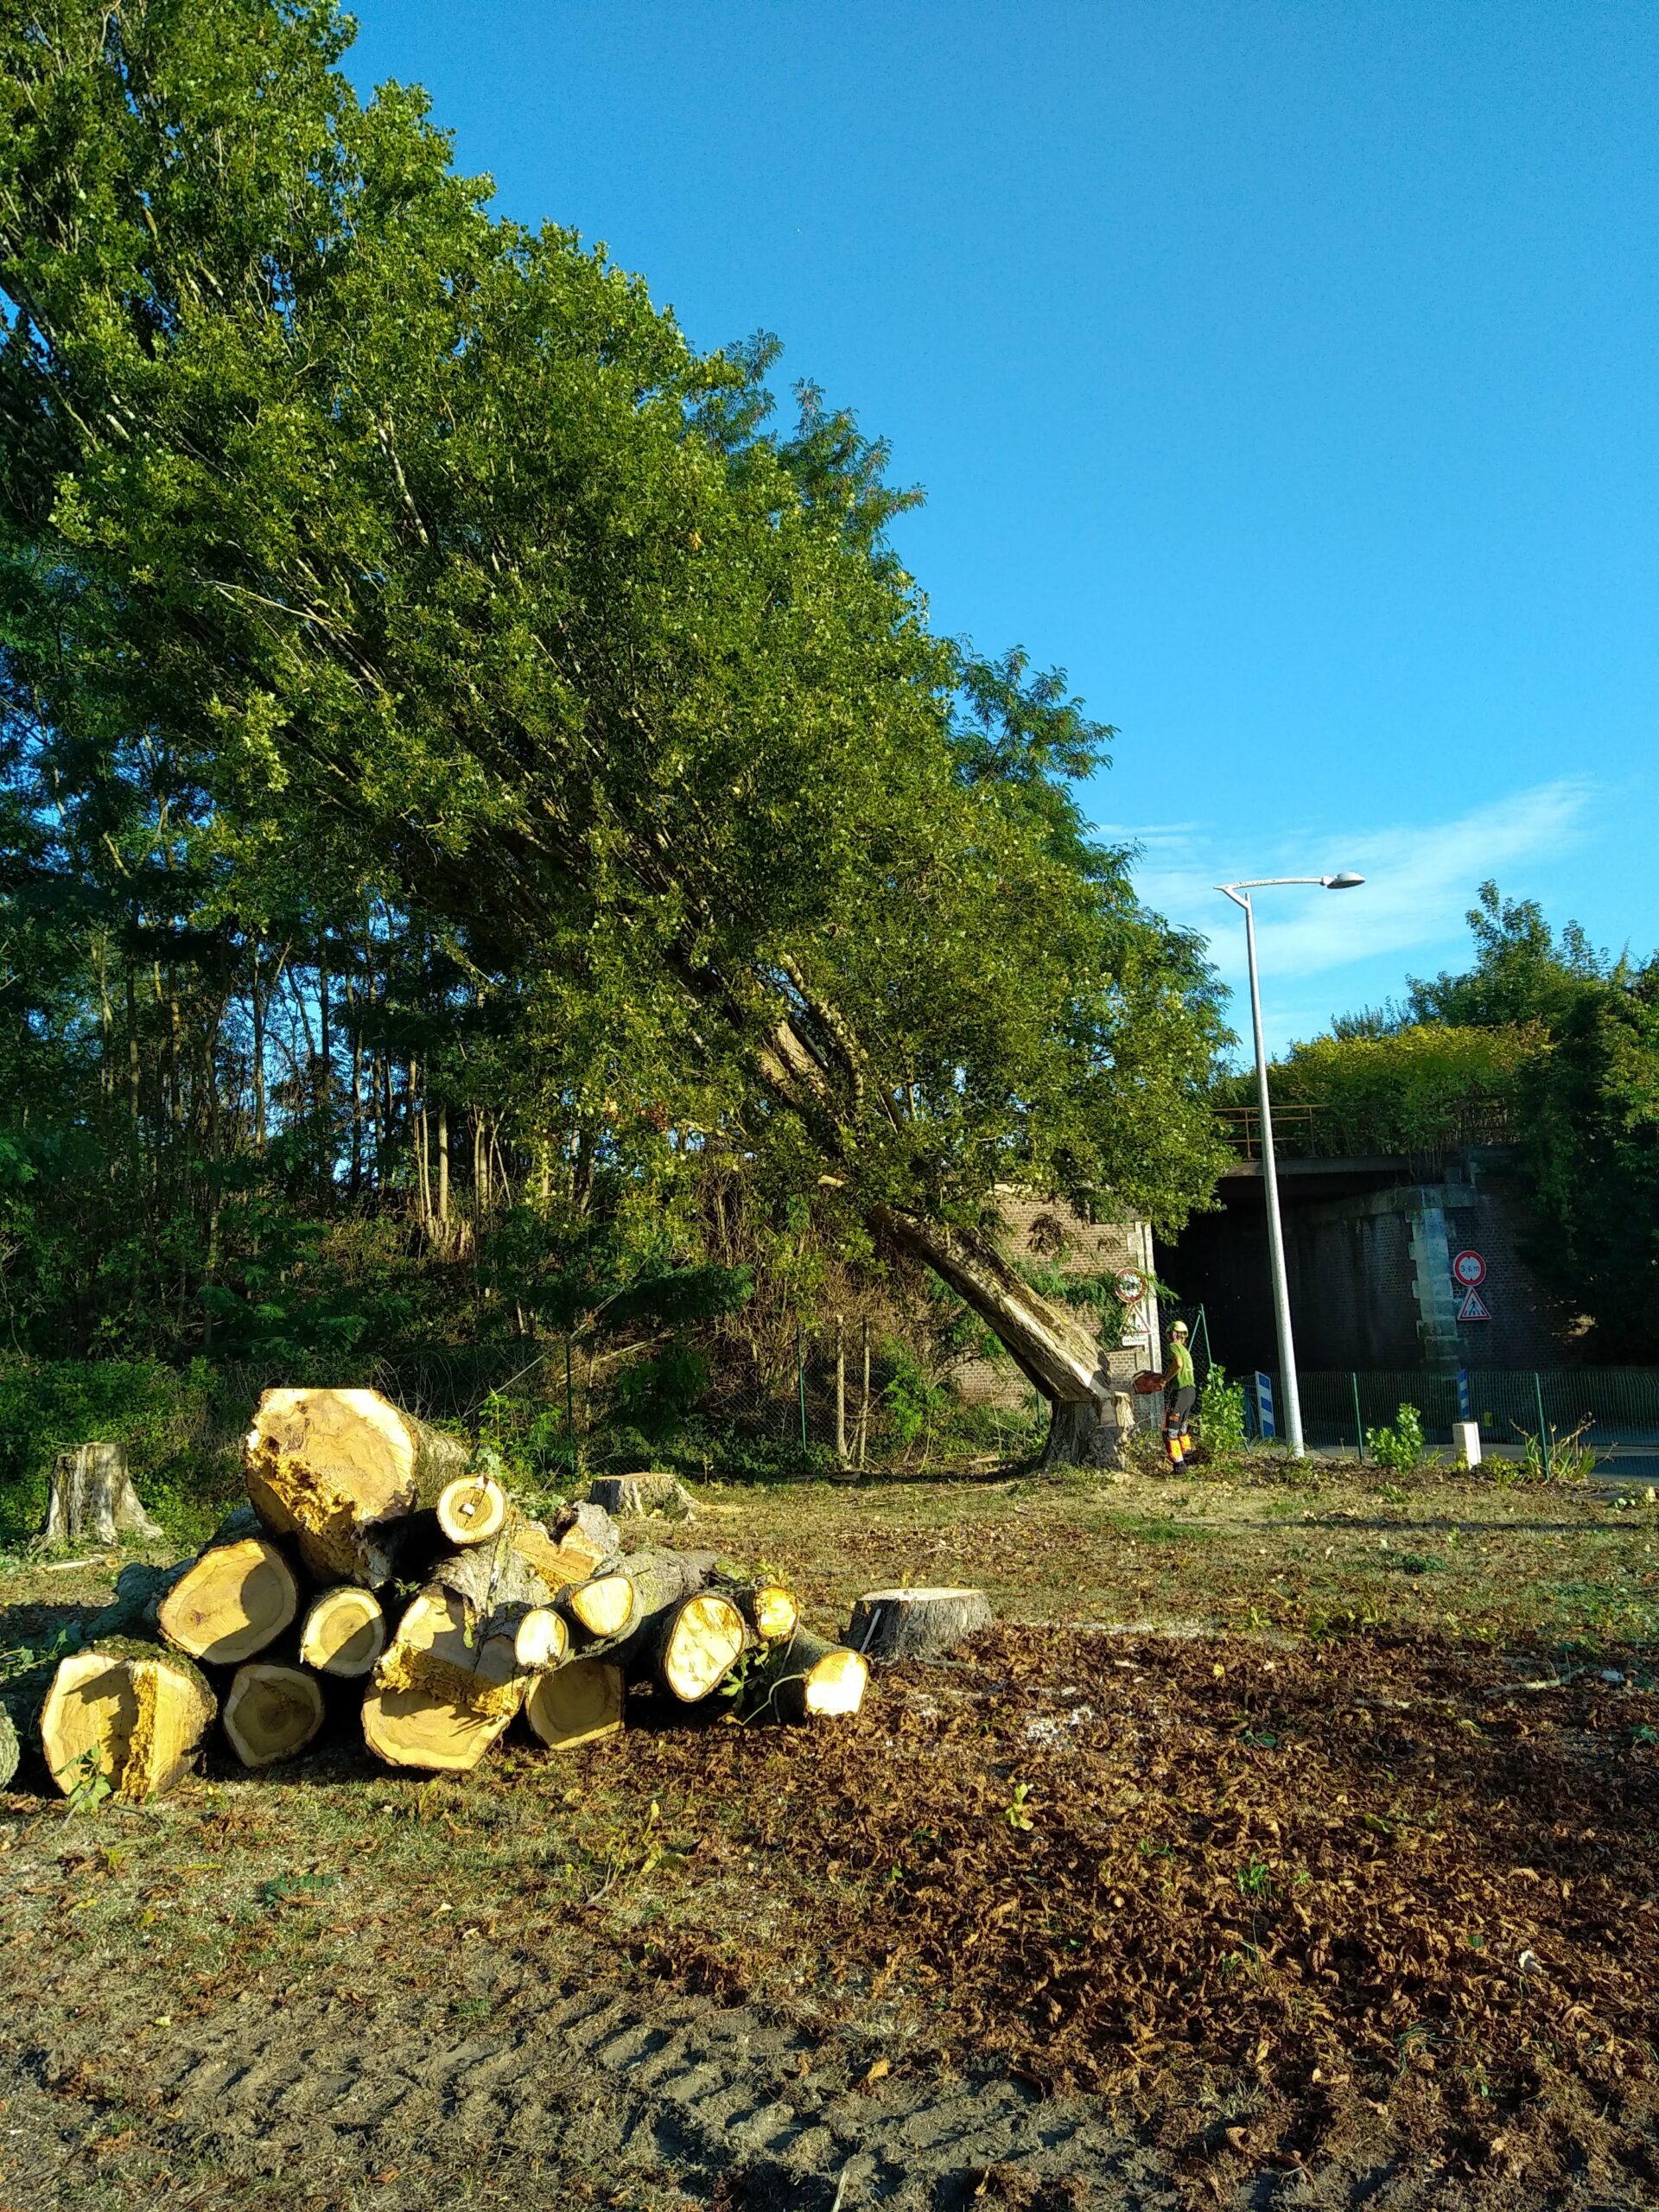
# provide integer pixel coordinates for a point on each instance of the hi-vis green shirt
(1182, 1357)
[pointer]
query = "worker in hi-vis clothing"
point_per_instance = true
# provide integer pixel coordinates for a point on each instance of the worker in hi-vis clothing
(1181, 1396)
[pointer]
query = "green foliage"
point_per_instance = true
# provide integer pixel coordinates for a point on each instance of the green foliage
(1221, 1415)
(1415, 1088)
(1401, 1447)
(172, 1426)
(913, 1400)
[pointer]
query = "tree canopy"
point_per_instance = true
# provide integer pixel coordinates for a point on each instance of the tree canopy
(400, 615)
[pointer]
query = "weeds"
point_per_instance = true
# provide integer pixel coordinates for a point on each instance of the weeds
(1400, 1448)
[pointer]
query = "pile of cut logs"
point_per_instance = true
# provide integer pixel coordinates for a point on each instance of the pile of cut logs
(382, 1564)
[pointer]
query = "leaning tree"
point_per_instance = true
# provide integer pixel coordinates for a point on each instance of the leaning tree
(422, 534)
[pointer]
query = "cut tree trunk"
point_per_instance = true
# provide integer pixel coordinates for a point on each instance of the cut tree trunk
(770, 1612)
(92, 1500)
(1055, 1352)
(805, 1679)
(130, 1714)
(585, 1526)
(8, 1749)
(472, 1508)
(233, 1601)
(139, 1591)
(271, 1713)
(506, 1597)
(344, 1632)
(692, 1646)
(339, 1469)
(640, 1495)
(578, 1703)
(915, 1624)
(438, 1648)
(612, 1610)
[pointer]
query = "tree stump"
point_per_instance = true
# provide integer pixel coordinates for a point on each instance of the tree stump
(578, 1703)
(640, 1495)
(915, 1624)
(231, 1602)
(345, 1632)
(92, 1500)
(130, 1714)
(271, 1713)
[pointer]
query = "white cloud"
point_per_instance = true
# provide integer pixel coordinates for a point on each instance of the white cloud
(1419, 882)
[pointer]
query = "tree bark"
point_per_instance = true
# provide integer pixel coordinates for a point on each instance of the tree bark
(8, 1749)
(639, 1496)
(915, 1624)
(805, 1679)
(92, 1500)
(1053, 1350)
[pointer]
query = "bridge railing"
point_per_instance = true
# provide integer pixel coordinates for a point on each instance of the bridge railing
(1306, 1130)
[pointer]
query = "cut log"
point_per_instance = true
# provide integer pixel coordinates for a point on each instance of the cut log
(915, 1624)
(472, 1508)
(233, 1601)
(805, 1679)
(540, 1638)
(271, 1713)
(693, 1645)
(642, 1495)
(438, 1649)
(340, 1469)
(416, 1727)
(8, 1749)
(612, 1609)
(344, 1632)
(578, 1703)
(130, 1714)
(506, 1597)
(92, 1500)
(768, 1609)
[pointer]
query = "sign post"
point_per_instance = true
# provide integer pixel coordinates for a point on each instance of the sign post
(1266, 1428)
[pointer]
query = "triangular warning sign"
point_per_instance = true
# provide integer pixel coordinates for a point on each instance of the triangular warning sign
(1472, 1310)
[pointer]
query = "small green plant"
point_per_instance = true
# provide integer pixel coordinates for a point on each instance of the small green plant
(91, 1785)
(1401, 1447)
(1255, 1880)
(295, 1885)
(1556, 1459)
(1221, 1415)
(1015, 1812)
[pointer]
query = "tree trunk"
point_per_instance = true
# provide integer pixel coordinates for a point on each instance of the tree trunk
(339, 1469)
(805, 1679)
(271, 1713)
(1051, 1347)
(131, 1714)
(231, 1602)
(915, 1624)
(92, 1500)
(578, 1703)
(611, 1612)
(344, 1632)
(441, 1695)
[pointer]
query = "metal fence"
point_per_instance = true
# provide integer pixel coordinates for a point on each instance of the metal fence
(1616, 1408)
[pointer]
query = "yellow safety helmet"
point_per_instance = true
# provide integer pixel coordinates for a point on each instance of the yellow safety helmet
(1177, 1329)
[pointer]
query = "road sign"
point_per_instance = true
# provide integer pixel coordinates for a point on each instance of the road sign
(1264, 1421)
(1465, 1396)
(1131, 1286)
(1469, 1269)
(1473, 1307)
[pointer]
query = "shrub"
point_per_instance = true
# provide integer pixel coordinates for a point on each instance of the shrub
(1221, 1415)
(1400, 1448)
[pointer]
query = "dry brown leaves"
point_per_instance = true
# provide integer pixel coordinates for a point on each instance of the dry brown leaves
(1378, 1871)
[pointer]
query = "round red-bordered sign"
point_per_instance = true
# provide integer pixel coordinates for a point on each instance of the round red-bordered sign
(1130, 1286)
(1470, 1269)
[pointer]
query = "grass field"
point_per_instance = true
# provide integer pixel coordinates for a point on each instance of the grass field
(1342, 1892)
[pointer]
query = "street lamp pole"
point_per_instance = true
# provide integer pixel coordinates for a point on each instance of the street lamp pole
(1240, 895)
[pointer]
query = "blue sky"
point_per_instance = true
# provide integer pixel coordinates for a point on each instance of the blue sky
(1285, 370)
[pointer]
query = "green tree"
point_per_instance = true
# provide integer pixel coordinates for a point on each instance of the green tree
(436, 558)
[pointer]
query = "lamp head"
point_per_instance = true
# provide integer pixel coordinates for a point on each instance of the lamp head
(1345, 881)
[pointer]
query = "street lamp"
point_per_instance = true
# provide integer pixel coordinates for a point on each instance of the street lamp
(1345, 881)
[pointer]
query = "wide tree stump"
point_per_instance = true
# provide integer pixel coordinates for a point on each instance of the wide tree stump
(338, 1470)
(271, 1713)
(641, 1496)
(92, 1501)
(915, 1624)
(344, 1631)
(805, 1679)
(132, 1713)
(578, 1703)
(9, 1751)
(231, 1602)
